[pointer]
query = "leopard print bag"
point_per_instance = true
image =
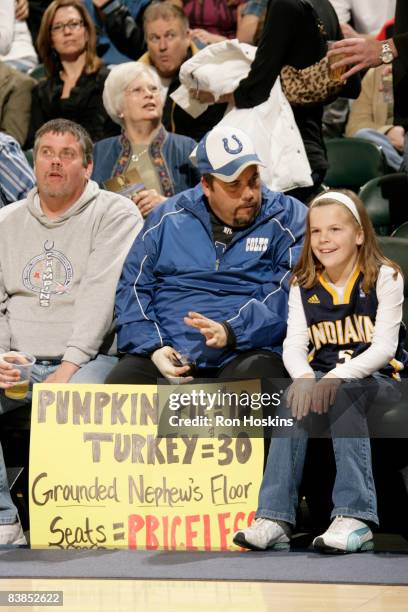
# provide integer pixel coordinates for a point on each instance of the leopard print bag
(315, 84)
(311, 85)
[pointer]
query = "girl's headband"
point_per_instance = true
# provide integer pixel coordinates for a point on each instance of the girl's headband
(341, 198)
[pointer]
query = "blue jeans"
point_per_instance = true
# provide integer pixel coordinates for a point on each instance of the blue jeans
(354, 490)
(392, 156)
(93, 372)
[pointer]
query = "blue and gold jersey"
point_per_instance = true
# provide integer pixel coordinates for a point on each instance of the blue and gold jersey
(341, 329)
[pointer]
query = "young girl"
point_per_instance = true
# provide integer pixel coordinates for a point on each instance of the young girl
(345, 310)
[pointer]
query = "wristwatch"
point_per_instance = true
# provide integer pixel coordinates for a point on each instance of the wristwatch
(386, 55)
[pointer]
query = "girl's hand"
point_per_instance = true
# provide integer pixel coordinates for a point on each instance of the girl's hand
(299, 397)
(324, 393)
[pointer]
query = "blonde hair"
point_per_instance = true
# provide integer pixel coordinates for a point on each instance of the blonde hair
(45, 48)
(370, 258)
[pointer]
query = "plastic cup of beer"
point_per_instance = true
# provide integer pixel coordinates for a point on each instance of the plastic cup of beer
(337, 73)
(24, 363)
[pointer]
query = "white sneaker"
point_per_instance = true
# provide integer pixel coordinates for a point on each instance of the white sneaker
(264, 533)
(12, 535)
(345, 535)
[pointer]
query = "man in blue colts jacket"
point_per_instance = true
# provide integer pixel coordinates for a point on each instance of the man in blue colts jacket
(208, 275)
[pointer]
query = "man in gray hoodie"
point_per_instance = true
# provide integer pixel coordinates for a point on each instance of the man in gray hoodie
(61, 254)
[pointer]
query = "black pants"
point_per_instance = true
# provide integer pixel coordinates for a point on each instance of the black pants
(138, 370)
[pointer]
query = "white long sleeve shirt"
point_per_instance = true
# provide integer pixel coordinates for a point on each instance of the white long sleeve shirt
(368, 16)
(16, 44)
(390, 295)
(219, 68)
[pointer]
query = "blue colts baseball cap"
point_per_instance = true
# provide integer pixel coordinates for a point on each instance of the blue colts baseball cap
(225, 152)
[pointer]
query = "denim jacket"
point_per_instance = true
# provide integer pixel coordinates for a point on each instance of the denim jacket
(168, 152)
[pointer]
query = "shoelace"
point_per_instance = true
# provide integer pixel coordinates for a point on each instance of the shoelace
(341, 522)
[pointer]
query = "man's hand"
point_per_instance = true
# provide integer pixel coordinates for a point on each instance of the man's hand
(324, 393)
(21, 10)
(396, 136)
(9, 376)
(299, 396)
(214, 332)
(166, 361)
(207, 38)
(63, 373)
(147, 199)
(348, 31)
(360, 53)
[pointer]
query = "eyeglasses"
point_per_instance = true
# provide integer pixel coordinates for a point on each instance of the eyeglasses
(73, 26)
(139, 90)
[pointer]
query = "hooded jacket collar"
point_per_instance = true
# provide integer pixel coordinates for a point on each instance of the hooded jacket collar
(88, 196)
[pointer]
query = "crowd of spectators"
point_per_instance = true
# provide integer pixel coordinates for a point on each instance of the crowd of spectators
(87, 95)
(77, 43)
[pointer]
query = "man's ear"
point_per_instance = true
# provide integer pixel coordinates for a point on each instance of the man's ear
(205, 186)
(89, 169)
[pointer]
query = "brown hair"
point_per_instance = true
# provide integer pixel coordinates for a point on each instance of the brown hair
(65, 126)
(370, 258)
(46, 51)
(165, 10)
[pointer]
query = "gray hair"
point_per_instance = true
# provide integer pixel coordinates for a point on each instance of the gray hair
(118, 80)
(65, 126)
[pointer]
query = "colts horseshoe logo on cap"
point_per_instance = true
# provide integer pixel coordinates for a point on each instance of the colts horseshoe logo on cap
(232, 151)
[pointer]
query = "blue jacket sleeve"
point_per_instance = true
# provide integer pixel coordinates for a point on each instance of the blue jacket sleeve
(137, 327)
(262, 320)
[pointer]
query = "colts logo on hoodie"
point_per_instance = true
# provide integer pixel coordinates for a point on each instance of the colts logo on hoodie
(256, 244)
(48, 274)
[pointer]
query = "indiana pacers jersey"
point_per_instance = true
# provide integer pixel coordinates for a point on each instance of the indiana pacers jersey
(339, 330)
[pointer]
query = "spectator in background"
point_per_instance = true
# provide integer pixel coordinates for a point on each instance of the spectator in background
(106, 49)
(372, 117)
(215, 20)
(169, 44)
(133, 97)
(360, 53)
(35, 10)
(212, 20)
(16, 175)
(292, 36)
(251, 19)
(15, 102)
(16, 45)
(363, 17)
(75, 74)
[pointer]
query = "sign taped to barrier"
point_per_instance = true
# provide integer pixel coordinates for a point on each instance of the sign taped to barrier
(102, 475)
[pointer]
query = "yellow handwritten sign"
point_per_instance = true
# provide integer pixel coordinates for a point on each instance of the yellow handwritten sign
(101, 477)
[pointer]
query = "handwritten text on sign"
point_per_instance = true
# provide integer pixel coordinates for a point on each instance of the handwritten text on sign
(101, 477)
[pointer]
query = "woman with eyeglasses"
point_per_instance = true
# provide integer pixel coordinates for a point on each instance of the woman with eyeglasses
(146, 163)
(75, 75)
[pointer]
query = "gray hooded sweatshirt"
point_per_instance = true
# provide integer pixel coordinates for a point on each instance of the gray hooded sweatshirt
(58, 276)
